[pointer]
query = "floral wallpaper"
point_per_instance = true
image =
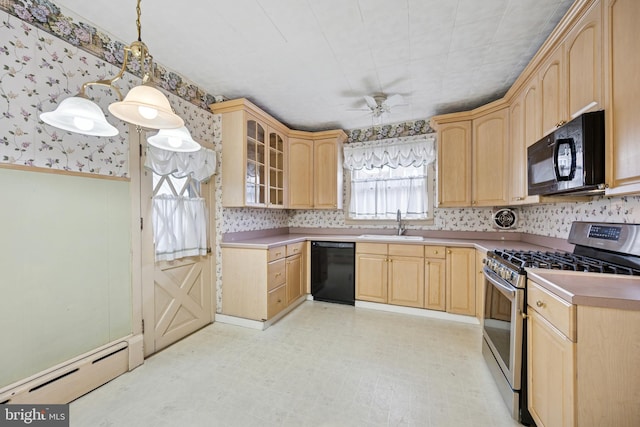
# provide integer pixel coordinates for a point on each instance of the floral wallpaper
(49, 17)
(555, 220)
(418, 127)
(38, 71)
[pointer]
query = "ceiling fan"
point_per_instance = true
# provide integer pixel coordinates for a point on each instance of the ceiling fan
(379, 103)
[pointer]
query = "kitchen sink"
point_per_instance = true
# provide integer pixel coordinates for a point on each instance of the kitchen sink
(388, 237)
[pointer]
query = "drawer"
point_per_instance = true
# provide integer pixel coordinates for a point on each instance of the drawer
(276, 273)
(276, 253)
(371, 248)
(276, 301)
(406, 250)
(295, 248)
(558, 312)
(434, 252)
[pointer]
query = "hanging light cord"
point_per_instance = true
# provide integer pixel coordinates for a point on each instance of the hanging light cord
(138, 22)
(136, 49)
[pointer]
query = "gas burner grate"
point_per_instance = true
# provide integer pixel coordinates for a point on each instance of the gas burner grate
(563, 261)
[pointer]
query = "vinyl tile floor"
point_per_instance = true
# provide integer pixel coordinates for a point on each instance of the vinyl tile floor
(321, 365)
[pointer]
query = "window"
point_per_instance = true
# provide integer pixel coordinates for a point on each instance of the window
(391, 175)
(180, 216)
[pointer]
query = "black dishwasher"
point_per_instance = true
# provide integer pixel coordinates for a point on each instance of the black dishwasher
(333, 271)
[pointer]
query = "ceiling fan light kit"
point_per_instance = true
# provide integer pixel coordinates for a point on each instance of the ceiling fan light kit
(380, 104)
(144, 106)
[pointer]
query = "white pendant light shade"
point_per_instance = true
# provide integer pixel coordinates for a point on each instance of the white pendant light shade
(146, 106)
(174, 140)
(79, 115)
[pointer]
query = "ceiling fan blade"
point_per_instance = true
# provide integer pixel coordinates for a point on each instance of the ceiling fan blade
(394, 100)
(371, 102)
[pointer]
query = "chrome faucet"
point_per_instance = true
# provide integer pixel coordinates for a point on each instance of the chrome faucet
(401, 229)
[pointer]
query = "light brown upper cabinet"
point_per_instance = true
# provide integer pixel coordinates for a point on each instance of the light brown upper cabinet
(254, 155)
(454, 164)
(571, 77)
(622, 124)
(583, 53)
(300, 173)
(265, 164)
(490, 149)
(525, 129)
(473, 157)
(315, 169)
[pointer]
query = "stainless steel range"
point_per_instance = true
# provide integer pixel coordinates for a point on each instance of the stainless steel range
(599, 248)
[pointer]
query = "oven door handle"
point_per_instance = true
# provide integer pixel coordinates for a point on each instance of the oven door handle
(507, 290)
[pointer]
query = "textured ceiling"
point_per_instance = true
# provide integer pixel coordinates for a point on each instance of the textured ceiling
(310, 62)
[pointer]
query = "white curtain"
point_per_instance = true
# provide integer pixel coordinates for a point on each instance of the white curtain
(180, 222)
(393, 152)
(180, 227)
(200, 165)
(388, 175)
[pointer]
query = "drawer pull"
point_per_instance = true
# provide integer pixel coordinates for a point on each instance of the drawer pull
(540, 303)
(278, 253)
(435, 252)
(278, 274)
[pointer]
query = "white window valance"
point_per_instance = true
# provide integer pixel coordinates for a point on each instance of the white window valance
(199, 165)
(405, 151)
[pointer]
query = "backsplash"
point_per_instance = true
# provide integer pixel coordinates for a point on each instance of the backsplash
(552, 220)
(555, 219)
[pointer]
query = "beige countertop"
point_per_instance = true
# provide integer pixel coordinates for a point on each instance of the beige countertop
(285, 239)
(592, 289)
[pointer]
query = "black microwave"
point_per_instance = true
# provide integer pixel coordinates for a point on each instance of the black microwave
(570, 160)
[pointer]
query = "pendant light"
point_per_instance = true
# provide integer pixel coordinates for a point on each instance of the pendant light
(174, 140)
(81, 115)
(144, 106)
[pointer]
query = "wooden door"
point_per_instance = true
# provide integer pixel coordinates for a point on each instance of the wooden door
(277, 154)
(300, 173)
(454, 164)
(552, 89)
(434, 284)
(518, 170)
(584, 63)
(460, 278)
(178, 296)
(256, 163)
(551, 376)
(326, 175)
(294, 278)
(371, 277)
(531, 119)
(623, 95)
(490, 182)
(406, 281)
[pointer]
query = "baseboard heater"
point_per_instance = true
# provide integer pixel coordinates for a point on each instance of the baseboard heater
(63, 384)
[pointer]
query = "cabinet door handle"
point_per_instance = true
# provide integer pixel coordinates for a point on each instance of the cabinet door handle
(449, 252)
(540, 303)
(278, 274)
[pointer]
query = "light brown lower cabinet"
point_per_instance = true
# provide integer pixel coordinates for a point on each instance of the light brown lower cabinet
(461, 281)
(390, 274)
(294, 277)
(431, 277)
(371, 272)
(258, 284)
(434, 278)
(582, 367)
